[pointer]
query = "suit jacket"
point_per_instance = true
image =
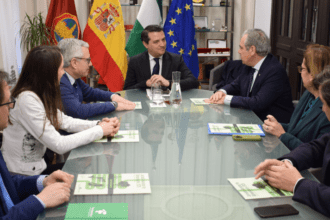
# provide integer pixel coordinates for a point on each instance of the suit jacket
(139, 71)
(21, 190)
(311, 127)
(313, 154)
(72, 99)
(271, 92)
(230, 71)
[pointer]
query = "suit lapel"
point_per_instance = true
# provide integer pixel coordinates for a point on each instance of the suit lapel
(317, 109)
(260, 74)
(145, 65)
(166, 73)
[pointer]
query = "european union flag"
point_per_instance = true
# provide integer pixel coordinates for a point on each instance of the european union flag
(179, 30)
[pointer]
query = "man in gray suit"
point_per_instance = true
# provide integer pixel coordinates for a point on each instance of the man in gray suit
(156, 64)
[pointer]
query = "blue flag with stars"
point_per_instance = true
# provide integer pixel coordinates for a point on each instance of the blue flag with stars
(179, 29)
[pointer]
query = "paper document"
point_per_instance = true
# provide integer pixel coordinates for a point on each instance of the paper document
(122, 136)
(92, 184)
(130, 183)
(138, 105)
(199, 101)
(153, 105)
(250, 188)
(230, 129)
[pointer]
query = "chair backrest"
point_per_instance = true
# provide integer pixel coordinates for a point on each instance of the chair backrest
(215, 75)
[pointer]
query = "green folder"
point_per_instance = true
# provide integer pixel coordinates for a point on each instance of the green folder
(113, 211)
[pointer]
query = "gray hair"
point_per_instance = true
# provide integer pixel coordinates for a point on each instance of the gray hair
(257, 38)
(70, 48)
(322, 77)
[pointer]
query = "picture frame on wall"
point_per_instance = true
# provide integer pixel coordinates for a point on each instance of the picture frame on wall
(200, 22)
(216, 43)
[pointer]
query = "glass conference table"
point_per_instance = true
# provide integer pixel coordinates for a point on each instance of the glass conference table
(188, 168)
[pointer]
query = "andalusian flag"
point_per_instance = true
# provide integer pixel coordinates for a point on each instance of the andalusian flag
(63, 21)
(149, 14)
(105, 34)
(179, 29)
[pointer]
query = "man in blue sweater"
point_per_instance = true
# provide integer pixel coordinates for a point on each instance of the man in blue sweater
(74, 91)
(25, 197)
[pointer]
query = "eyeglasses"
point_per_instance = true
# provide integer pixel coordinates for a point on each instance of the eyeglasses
(300, 69)
(88, 60)
(12, 101)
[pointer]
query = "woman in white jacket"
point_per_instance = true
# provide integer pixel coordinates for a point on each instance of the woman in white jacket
(37, 117)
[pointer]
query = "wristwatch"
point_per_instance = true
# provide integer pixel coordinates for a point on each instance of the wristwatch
(115, 104)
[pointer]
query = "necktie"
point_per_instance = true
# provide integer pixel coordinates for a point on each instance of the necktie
(5, 194)
(75, 84)
(250, 81)
(156, 67)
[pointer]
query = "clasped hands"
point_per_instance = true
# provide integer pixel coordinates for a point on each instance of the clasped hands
(217, 98)
(56, 189)
(110, 126)
(157, 79)
(280, 174)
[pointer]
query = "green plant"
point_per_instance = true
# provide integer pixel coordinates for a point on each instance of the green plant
(34, 32)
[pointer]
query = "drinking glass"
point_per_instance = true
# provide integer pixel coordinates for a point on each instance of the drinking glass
(157, 94)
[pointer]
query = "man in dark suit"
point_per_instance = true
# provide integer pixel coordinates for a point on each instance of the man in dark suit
(263, 85)
(74, 91)
(156, 64)
(25, 197)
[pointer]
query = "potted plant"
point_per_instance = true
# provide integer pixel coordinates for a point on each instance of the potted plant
(34, 32)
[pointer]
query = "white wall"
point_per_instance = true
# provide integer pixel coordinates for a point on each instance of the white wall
(1, 62)
(262, 17)
(244, 16)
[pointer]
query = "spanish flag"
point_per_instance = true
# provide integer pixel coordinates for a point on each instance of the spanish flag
(63, 21)
(105, 35)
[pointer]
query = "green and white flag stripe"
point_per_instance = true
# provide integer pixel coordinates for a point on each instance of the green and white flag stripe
(149, 13)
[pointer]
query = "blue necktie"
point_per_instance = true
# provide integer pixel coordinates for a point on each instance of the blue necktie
(156, 67)
(250, 81)
(5, 194)
(74, 84)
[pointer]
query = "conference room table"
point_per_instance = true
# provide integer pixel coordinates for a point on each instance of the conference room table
(187, 167)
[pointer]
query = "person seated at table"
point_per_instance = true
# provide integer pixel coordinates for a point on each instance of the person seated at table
(307, 122)
(25, 197)
(37, 117)
(156, 64)
(284, 172)
(263, 86)
(74, 91)
(230, 71)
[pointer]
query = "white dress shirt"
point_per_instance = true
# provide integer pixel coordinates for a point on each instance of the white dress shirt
(153, 63)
